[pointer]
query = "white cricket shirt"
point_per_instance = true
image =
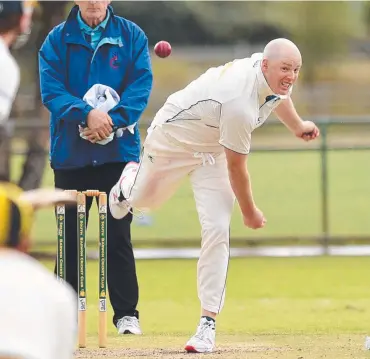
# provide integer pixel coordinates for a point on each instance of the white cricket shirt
(222, 107)
(38, 314)
(9, 81)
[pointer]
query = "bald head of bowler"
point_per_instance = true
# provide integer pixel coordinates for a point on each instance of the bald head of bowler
(281, 64)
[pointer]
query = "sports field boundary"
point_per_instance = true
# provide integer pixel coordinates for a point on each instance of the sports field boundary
(266, 251)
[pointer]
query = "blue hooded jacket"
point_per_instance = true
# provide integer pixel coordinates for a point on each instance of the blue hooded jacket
(69, 67)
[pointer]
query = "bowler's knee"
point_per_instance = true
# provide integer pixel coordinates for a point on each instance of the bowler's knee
(217, 231)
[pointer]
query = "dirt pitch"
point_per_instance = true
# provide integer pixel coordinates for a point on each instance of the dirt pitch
(222, 352)
(235, 347)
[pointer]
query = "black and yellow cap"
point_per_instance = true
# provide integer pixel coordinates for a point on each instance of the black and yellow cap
(16, 216)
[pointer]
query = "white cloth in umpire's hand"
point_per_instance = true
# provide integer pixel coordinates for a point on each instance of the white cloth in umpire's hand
(103, 98)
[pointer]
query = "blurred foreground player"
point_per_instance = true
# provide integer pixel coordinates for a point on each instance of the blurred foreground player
(204, 132)
(15, 24)
(37, 313)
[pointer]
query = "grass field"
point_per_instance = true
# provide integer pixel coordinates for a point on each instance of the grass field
(283, 308)
(287, 188)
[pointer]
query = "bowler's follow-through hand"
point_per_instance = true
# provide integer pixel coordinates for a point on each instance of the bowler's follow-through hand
(308, 131)
(255, 219)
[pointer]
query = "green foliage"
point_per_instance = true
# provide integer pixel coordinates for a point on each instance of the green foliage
(321, 29)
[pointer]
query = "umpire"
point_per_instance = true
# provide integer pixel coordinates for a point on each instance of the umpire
(96, 47)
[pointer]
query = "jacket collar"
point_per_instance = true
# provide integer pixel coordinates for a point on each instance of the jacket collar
(74, 34)
(87, 29)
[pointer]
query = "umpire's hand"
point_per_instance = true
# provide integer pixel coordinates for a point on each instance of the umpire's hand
(100, 125)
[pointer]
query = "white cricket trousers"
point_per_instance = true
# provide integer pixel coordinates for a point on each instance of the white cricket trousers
(164, 164)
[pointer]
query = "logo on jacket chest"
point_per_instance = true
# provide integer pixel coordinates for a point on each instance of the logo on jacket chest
(115, 60)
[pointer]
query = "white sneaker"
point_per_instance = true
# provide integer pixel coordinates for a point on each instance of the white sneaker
(367, 343)
(204, 339)
(129, 325)
(118, 204)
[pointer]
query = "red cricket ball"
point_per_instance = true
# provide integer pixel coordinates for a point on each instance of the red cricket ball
(162, 49)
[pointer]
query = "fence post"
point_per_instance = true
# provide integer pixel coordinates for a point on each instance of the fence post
(324, 189)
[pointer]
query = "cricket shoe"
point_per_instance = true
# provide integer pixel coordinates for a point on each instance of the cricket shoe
(204, 339)
(118, 204)
(129, 325)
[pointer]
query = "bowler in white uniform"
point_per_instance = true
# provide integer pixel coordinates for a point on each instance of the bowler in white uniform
(204, 132)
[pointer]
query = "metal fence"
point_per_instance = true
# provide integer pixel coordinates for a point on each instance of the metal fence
(337, 134)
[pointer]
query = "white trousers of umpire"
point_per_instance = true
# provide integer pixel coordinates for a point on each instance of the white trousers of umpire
(164, 164)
